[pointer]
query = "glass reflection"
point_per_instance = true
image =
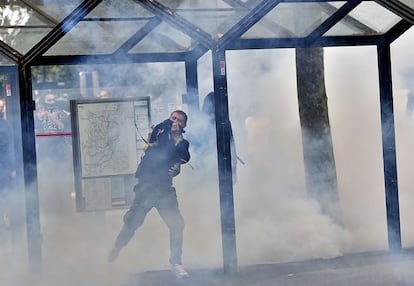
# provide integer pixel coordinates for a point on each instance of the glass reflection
(21, 26)
(409, 3)
(368, 18)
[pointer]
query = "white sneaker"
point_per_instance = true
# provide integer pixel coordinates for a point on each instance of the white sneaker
(179, 271)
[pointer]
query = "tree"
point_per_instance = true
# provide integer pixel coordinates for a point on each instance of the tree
(318, 153)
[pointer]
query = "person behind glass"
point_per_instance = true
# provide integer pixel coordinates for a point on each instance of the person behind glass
(104, 94)
(166, 150)
(208, 112)
(51, 119)
(2, 108)
(7, 168)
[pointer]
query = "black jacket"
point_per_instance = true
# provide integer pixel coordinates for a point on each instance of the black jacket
(162, 154)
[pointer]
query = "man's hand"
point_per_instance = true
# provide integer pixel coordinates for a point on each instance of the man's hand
(175, 170)
(42, 113)
(176, 132)
(177, 139)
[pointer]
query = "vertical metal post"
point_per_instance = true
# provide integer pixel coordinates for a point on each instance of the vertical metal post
(28, 135)
(388, 147)
(191, 98)
(224, 162)
(30, 170)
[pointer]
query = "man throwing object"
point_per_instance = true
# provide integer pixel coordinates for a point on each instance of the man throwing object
(166, 151)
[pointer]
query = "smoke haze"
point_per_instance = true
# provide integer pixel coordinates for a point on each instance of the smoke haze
(275, 220)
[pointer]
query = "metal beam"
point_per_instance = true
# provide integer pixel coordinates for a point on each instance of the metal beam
(332, 20)
(10, 53)
(60, 30)
(248, 21)
(191, 98)
(178, 22)
(395, 32)
(197, 52)
(388, 148)
(138, 36)
(34, 237)
(113, 58)
(27, 106)
(223, 133)
(328, 41)
(398, 8)
(40, 12)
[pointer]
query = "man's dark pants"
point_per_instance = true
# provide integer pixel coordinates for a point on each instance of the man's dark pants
(162, 196)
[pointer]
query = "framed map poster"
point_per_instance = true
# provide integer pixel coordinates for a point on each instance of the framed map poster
(108, 141)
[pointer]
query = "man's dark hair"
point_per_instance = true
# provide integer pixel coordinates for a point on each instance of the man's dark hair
(180, 112)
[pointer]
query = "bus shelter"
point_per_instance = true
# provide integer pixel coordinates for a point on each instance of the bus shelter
(78, 37)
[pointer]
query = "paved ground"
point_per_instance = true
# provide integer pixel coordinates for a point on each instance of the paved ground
(365, 269)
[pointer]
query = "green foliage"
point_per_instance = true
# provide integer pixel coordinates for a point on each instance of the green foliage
(56, 74)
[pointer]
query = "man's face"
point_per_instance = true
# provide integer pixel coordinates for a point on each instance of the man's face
(50, 99)
(178, 121)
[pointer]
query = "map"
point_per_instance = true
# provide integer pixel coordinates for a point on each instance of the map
(107, 138)
(108, 142)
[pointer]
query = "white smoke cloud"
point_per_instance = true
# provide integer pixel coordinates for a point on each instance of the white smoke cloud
(275, 220)
(273, 211)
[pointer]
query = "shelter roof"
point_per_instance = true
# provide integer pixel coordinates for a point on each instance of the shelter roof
(58, 31)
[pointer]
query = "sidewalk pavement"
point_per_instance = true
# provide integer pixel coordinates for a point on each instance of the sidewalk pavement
(362, 269)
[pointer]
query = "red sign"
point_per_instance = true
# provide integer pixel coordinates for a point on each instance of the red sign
(222, 68)
(8, 89)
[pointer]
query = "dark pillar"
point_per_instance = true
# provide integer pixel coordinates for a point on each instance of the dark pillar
(388, 148)
(224, 162)
(30, 171)
(191, 98)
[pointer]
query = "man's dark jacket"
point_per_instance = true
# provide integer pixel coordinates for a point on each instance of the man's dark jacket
(162, 154)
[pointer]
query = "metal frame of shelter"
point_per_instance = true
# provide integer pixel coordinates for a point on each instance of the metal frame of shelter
(253, 11)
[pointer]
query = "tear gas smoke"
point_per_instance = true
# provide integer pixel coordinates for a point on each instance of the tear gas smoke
(275, 220)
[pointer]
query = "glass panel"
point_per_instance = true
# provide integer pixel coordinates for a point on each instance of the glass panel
(288, 20)
(195, 4)
(95, 37)
(409, 3)
(5, 61)
(213, 17)
(22, 39)
(19, 14)
(214, 22)
(57, 9)
(119, 9)
(21, 26)
(163, 39)
(368, 18)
